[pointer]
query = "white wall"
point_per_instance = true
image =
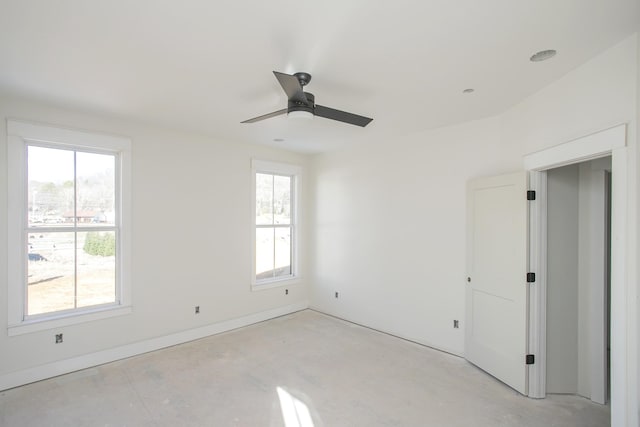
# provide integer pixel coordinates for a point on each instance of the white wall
(389, 215)
(634, 372)
(562, 280)
(592, 278)
(192, 230)
(389, 222)
(577, 279)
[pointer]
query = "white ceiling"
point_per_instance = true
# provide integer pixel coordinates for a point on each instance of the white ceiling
(204, 66)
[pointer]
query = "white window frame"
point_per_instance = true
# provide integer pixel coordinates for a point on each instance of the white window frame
(295, 172)
(19, 135)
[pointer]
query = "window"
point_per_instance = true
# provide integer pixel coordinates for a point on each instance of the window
(275, 202)
(68, 248)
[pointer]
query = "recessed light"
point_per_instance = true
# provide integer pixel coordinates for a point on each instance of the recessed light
(469, 90)
(543, 55)
(278, 139)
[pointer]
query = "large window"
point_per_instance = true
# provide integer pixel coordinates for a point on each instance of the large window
(68, 242)
(275, 235)
(71, 229)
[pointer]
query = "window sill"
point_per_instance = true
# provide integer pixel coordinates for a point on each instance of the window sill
(42, 324)
(277, 283)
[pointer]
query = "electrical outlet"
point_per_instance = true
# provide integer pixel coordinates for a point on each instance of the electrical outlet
(58, 338)
(336, 294)
(197, 309)
(286, 291)
(456, 324)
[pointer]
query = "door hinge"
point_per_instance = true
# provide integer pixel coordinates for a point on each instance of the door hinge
(531, 277)
(531, 195)
(530, 359)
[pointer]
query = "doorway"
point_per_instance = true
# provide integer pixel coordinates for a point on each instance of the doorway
(578, 279)
(609, 142)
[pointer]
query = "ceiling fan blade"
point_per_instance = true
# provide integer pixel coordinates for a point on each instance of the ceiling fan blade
(341, 116)
(292, 87)
(266, 116)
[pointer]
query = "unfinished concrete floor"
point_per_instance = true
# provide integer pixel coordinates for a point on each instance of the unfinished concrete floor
(305, 369)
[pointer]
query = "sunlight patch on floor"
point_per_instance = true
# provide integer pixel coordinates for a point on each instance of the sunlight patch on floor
(294, 412)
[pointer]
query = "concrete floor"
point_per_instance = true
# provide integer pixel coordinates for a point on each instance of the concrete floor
(305, 369)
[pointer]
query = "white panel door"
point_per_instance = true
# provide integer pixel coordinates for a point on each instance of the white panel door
(496, 294)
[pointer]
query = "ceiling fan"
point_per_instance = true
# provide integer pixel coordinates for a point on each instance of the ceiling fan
(301, 103)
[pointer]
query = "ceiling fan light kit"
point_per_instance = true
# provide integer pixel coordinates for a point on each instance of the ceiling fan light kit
(300, 115)
(300, 110)
(302, 104)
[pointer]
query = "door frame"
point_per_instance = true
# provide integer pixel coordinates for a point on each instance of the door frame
(608, 142)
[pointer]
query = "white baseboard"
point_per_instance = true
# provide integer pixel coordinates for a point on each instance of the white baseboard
(424, 343)
(26, 376)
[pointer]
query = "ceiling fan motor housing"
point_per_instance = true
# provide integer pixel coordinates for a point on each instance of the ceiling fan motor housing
(300, 106)
(303, 78)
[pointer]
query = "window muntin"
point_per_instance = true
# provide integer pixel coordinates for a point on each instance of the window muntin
(71, 229)
(275, 188)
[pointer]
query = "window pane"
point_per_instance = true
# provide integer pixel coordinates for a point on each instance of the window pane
(264, 199)
(49, 186)
(282, 199)
(264, 253)
(95, 180)
(282, 252)
(96, 268)
(50, 272)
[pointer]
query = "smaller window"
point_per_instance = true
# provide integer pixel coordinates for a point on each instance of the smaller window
(275, 221)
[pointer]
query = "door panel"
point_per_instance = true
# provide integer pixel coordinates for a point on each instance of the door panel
(496, 295)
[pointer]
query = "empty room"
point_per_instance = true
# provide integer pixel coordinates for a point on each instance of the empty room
(306, 214)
